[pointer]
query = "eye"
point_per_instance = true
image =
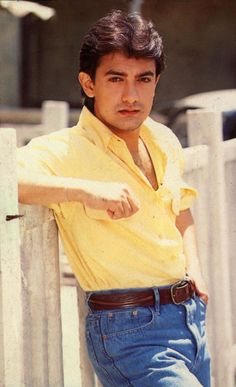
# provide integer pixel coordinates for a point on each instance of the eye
(115, 79)
(145, 79)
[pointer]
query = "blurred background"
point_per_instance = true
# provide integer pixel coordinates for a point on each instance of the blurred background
(39, 61)
(40, 54)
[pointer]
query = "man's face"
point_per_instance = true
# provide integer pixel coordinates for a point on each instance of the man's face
(123, 91)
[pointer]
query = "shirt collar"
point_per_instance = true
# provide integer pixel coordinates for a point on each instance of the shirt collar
(101, 135)
(94, 129)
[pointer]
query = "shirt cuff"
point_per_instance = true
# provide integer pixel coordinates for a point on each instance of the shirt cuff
(188, 194)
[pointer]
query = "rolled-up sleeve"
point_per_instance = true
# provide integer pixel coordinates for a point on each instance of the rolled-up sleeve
(187, 195)
(187, 192)
(43, 156)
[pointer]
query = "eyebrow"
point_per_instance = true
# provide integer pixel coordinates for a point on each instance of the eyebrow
(122, 74)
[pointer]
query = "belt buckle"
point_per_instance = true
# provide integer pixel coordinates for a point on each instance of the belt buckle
(179, 284)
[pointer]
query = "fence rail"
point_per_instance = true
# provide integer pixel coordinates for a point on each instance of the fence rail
(30, 310)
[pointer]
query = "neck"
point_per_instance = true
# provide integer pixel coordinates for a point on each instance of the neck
(131, 139)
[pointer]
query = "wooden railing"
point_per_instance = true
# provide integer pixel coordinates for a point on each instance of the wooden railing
(30, 312)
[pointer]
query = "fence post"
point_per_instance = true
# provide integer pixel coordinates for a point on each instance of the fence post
(41, 292)
(11, 304)
(205, 127)
(87, 373)
(55, 115)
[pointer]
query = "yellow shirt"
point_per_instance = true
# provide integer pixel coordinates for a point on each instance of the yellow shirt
(143, 250)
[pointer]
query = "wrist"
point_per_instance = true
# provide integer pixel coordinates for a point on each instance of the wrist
(76, 191)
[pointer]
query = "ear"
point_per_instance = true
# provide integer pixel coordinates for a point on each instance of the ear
(86, 84)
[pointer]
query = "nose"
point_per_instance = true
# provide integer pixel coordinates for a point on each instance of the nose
(130, 94)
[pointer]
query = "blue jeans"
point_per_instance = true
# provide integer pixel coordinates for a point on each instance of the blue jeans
(162, 346)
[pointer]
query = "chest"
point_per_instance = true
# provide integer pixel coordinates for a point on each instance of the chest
(117, 164)
(143, 161)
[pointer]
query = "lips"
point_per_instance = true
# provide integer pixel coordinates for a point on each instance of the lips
(128, 112)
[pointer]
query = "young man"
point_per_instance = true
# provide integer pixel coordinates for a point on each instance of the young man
(114, 184)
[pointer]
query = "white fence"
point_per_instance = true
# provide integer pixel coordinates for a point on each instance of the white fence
(212, 169)
(30, 314)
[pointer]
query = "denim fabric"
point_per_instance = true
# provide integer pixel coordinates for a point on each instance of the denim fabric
(162, 346)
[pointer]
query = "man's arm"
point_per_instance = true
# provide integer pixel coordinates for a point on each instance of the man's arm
(115, 198)
(185, 224)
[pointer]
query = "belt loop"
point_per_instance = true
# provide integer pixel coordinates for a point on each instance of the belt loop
(157, 299)
(88, 295)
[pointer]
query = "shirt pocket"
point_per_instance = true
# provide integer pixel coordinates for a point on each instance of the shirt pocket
(96, 214)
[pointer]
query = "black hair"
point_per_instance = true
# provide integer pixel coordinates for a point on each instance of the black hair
(128, 33)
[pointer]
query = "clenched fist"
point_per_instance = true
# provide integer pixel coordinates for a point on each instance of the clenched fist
(115, 198)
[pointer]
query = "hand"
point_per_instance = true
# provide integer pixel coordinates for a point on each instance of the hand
(201, 293)
(199, 284)
(115, 198)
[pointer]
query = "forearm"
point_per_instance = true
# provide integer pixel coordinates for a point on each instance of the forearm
(185, 224)
(193, 266)
(43, 189)
(115, 198)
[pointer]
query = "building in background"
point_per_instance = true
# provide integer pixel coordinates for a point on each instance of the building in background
(39, 59)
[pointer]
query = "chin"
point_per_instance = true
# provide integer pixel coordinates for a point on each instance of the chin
(131, 124)
(131, 128)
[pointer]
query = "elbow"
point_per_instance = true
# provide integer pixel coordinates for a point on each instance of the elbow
(23, 195)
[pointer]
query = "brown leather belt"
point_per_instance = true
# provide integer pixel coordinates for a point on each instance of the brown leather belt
(175, 294)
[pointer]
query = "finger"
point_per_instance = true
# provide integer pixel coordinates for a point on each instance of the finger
(117, 215)
(201, 294)
(110, 213)
(116, 211)
(205, 298)
(127, 209)
(134, 204)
